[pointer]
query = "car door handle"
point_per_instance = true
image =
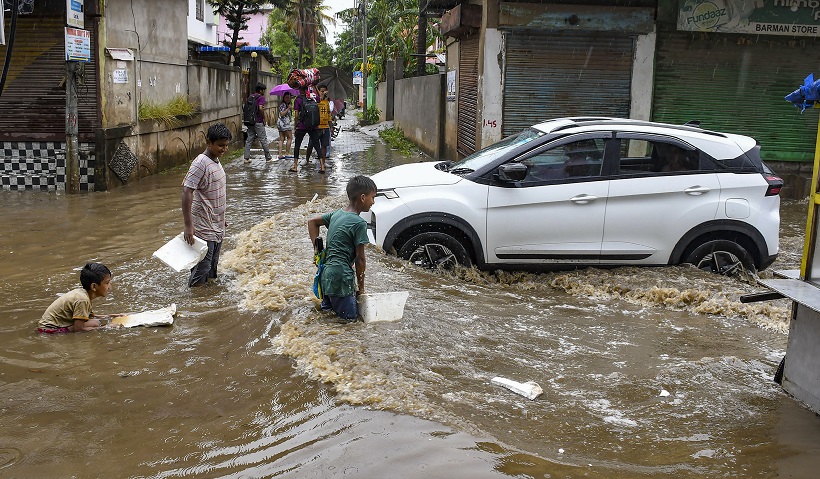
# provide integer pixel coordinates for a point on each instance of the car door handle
(696, 190)
(583, 199)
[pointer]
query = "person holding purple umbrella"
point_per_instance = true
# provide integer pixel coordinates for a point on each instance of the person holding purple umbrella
(285, 124)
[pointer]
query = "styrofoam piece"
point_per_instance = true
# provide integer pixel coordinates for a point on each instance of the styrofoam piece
(181, 256)
(529, 389)
(374, 307)
(155, 317)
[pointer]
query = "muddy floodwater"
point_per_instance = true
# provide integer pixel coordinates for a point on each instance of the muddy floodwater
(646, 372)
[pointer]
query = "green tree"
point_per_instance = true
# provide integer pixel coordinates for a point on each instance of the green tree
(392, 32)
(281, 42)
(284, 43)
(237, 13)
(307, 20)
(348, 48)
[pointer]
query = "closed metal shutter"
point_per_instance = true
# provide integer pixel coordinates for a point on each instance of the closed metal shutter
(467, 95)
(32, 107)
(736, 84)
(565, 74)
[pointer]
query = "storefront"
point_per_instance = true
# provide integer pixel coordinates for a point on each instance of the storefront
(730, 67)
(557, 74)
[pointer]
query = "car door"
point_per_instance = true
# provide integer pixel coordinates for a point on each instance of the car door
(658, 192)
(556, 213)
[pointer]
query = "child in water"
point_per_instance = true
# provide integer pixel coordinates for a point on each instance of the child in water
(346, 237)
(71, 312)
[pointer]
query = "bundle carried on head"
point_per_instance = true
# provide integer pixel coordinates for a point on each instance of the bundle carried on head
(301, 77)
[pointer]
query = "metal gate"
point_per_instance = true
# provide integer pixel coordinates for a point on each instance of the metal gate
(565, 74)
(736, 83)
(32, 107)
(467, 95)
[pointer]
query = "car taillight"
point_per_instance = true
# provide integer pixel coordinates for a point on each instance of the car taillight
(775, 184)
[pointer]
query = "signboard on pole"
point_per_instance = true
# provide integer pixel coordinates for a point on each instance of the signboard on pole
(77, 45)
(74, 13)
(357, 78)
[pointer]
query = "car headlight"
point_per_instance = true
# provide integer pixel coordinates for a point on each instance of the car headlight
(390, 194)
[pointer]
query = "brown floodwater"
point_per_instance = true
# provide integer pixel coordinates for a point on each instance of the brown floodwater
(647, 372)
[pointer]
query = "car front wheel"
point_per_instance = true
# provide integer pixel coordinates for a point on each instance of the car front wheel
(722, 257)
(434, 250)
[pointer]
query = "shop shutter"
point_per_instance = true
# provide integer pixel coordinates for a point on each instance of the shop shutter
(565, 74)
(467, 95)
(736, 84)
(32, 107)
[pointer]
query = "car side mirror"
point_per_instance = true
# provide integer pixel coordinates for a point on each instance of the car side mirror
(512, 172)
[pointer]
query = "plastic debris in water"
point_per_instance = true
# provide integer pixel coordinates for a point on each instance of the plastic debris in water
(664, 393)
(529, 389)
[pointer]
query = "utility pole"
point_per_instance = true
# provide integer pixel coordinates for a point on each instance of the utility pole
(72, 146)
(364, 55)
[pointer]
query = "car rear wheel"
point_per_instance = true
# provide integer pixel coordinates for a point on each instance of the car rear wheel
(722, 257)
(434, 250)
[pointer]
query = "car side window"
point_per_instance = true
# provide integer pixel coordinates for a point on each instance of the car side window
(642, 157)
(578, 159)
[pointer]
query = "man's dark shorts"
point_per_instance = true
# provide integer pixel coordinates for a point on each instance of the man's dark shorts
(345, 307)
(324, 137)
(207, 267)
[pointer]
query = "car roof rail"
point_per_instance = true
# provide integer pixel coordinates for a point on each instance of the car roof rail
(574, 122)
(695, 123)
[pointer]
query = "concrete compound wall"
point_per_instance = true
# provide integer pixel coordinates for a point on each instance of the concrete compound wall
(131, 152)
(128, 149)
(381, 100)
(419, 112)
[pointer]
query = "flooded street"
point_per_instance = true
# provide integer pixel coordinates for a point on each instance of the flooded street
(647, 372)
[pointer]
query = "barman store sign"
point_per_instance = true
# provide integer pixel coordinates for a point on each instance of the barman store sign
(797, 18)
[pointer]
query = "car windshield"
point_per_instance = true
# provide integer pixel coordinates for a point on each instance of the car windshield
(482, 157)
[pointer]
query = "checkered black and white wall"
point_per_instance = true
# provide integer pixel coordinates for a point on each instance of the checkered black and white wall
(41, 165)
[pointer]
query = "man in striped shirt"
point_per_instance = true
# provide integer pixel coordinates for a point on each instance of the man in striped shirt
(204, 201)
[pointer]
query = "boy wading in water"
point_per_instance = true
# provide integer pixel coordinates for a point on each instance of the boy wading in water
(204, 201)
(71, 312)
(346, 237)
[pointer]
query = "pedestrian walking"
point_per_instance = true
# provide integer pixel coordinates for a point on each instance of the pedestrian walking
(307, 120)
(285, 124)
(256, 131)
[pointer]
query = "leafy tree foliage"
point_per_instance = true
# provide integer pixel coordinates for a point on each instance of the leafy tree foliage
(281, 42)
(392, 27)
(307, 21)
(237, 13)
(298, 36)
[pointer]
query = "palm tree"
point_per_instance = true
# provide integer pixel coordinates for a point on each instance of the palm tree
(306, 21)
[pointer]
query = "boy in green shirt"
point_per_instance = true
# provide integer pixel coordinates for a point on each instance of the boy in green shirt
(346, 237)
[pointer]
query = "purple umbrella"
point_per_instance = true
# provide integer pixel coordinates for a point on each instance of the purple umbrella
(280, 90)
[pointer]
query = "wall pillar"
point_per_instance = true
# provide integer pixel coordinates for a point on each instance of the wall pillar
(490, 77)
(643, 76)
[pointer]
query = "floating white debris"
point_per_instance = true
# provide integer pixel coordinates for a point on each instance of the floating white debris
(560, 450)
(156, 317)
(529, 389)
(315, 195)
(664, 393)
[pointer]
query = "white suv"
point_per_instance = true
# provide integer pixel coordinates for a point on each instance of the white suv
(584, 192)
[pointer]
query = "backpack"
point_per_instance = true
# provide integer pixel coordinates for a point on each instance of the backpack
(249, 110)
(309, 113)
